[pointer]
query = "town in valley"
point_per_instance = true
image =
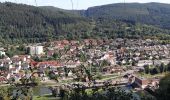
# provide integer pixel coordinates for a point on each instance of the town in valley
(84, 50)
(132, 64)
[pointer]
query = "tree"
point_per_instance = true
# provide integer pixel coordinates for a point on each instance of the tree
(162, 67)
(147, 70)
(6, 92)
(22, 93)
(163, 93)
(10, 53)
(2, 56)
(104, 63)
(11, 80)
(154, 71)
(95, 94)
(56, 56)
(35, 80)
(3, 93)
(66, 48)
(24, 80)
(37, 59)
(168, 67)
(51, 75)
(66, 71)
(21, 48)
(83, 57)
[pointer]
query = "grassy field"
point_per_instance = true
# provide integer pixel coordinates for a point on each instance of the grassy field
(151, 76)
(45, 97)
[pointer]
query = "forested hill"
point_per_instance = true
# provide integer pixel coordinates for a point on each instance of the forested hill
(24, 24)
(20, 22)
(157, 14)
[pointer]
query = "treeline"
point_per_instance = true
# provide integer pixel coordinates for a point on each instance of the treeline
(162, 68)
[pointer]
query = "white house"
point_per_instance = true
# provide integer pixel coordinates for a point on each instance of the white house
(141, 63)
(2, 53)
(36, 50)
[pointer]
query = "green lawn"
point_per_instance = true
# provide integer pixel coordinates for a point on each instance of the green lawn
(104, 77)
(67, 81)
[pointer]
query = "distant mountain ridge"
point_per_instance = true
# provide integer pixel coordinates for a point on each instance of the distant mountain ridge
(157, 14)
(24, 24)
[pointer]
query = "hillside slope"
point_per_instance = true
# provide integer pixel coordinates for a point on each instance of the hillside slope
(34, 24)
(28, 24)
(156, 14)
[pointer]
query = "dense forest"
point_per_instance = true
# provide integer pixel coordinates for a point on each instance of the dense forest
(33, 24)
(28, 24)
(157, 14)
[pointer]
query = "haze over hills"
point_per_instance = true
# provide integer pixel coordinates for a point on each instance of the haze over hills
(22, 23)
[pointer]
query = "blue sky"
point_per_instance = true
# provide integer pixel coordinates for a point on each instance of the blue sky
(78, 4)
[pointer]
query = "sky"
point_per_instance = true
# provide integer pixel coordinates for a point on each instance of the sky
(78, 4)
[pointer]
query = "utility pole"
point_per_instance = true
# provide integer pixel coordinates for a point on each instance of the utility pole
(35, 2)
(72, 4)
(77, 4)
(124, 6)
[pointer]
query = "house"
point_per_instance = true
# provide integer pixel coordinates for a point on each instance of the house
(109, 57)
(4, 62)
(65, 42)
(70, 73)
(16, 60)
(17, 76)
(3, 79)
(100, 42)
(46, 64)
(36, 50)
(72, 64)
(2, 53)
(13, 70)
(25, 66)
(73, 42)
(141, 82)
(86, 41)
(155, 83)
(72, 48)
(116, 70)
(123, 61)
(141, 63)
(50, 53)
(19, 59)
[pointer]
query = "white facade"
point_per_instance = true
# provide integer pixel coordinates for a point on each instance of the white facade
(36, 50)
(2, 53)
(141, 63)
(32, 50)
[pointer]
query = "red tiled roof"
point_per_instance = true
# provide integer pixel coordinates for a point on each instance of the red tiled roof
(73, 42)
(50, 52)
(65, 42)
(34, 63)
(2, 79)
(52, 63)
